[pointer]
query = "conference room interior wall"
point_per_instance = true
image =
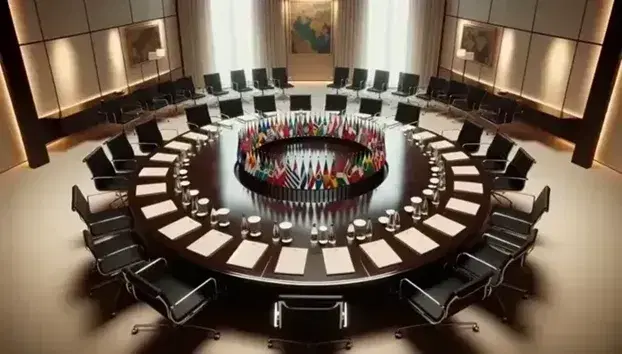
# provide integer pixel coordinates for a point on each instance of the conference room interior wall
(11, 148)
(610, 142)
(74, 51)
(546, 50)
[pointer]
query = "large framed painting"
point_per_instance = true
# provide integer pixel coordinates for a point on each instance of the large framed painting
(141, 40)
(481, 41)
(311, 27)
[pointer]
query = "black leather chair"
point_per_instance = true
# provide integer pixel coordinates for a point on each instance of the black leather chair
(186, 87)
(260, 80)
(231, 108)
(436, 86)
(239, 83)
(280, 79)
(442, 293)
(294, 314)
(174, 299)
(455, 91)
(407, 113)
(123, 157)
(519, 221)
(359, 81)
(406, 85)
(300, 103)
(149, 136)
(336, 103)
(102, 222)
(172, 92)
(514, 177)
(340, 78)
(112, 254)
(471, 102)
(105, 177)
(265, 105)
(370, 106)
(198, 116)
(150, 99)
(496, 154)
(498, 110)
(381, 83)
(470, 135)
(213, 85)
(121, 110)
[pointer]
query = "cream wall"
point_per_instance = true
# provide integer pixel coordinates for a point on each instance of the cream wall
(11, 148)
(74, 50)
(546, 50)
(609, 150)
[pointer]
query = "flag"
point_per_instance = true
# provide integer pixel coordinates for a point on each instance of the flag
(326, 176)
(292, 179)
(342, 179)
(279, 174)
(368, 167)
(303, 175)
(318, 176)
(311, 176)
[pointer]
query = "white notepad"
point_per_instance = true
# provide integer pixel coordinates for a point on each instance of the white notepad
(381, 253)
(455, 156)
(462, 206)
(469, 187)
(157, 209)
(209, 243)
(161, 157)
(195, 136)
(444, 225)
(292, 260)
(180, 227)
(337, 260)
(153, 172)
(416, 240)
(423, 136)
(150, 189)
(247, 254)
(178, 145)
(442, 145)
(465, 170)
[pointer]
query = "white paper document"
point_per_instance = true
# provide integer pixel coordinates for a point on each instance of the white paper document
(417, 240)
(247, 254)
(161, 157)
(381, 253)
(153, 172)
(455, 156)
(150, 189)
(337, 260)
(209, 243)
(469, 187)
(465, 170)
(407, 128)
(178, 145)
(423, 136)
(180, 227)
(463, 206)
(292, 260)
(445, 225)
(442, 145)
(162, 208)
(195, 136)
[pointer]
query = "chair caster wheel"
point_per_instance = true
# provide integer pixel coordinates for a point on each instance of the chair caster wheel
(398, 334)
(504, 319)
(217, 336)
(348, 346)
(525, 296)
(475, 328)
(113, 314)
(269, 343)
(134, 331)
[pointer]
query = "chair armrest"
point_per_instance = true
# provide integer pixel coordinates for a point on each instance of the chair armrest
(235, 85)
(209, 89)
(494, 160)
(139, 143)
(151, 264)
(505, 242)
(458, 95)
(126, 160)
(210, 280)
(119, 251)
(478, 260)
(511, 177)
(475, 144)
(194, 125)
(533, 197)
(108, 220)
(407, 281)
(109, 177)
(256, 83)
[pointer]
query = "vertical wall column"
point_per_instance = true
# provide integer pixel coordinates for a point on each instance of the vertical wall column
(600, 92)
(19, 90)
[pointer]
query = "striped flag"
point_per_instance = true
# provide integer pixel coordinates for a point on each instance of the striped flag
(303, 174)
(292, 180)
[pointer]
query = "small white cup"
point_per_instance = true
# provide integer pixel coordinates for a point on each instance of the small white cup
(285, 230)
(254, 225)
(223, 217)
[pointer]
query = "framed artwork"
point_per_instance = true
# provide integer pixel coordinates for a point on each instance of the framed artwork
(311, 27)
(481, 41)
(140, 41)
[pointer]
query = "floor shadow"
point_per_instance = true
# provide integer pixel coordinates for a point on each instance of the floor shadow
(177, 340)
(434, 340)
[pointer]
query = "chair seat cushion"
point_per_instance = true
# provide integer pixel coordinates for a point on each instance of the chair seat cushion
(373, 89)
(107, 244)
(511, 219)
(220, 93)
(174, 289)
(244, 89)
(197, 96)
(508, 184)
(424, 96)
(400, 93)
(112, 184)
(334, 86)
(125, 165)
(114, 263)
(265, 87)
(355, 88)
(488, 254)
(287, 85)
(109, 221)
(515, 239)
(441, 291)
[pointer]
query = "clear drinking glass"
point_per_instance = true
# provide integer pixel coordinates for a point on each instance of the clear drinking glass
(369, 229)
(359, 229)
(203, 207)
(416, 204)
(436, 197)
(285, 229)
(183, 174)
(244, 226)
(176, 168)
(213, 217)
(332, 239)
(418, 140)
(194, 198)
(186, 198)
(442, 183)
(323, 239)
(396, 220)
(276, 233)
(185, 162)
(177, 185)
(350, 232)
(391, 224)
(434, 171)
(314, 234)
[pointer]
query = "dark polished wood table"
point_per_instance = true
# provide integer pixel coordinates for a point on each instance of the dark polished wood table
(212, 172)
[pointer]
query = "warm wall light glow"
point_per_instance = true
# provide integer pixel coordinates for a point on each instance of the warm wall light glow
(505, 61)
(115, 62)
(557, 61)
(12, 128)
(610, 142)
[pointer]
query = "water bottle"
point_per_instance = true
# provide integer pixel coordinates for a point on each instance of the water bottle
(314, 233)
(396, 221)
(436, 197)
(244, 226)
(350, 232)
(332, 239)
(213, 217)
(369, 229)
(276, 234)
(424, 206)
(323, 239)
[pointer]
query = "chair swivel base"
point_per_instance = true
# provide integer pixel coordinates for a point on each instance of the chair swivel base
(347, 341)
(152, 326)
(525, 296)
(474, 327)
(117, 295)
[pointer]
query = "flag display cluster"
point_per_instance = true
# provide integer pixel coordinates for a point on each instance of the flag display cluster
(306, 173)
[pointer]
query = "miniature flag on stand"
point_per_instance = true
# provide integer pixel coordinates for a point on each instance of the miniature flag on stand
(292, 180)
(304, 177)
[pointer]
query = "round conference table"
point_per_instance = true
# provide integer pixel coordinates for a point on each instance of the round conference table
(212, 172)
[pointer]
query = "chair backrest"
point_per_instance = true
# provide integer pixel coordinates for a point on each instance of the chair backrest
(370, 106)
(186, 83)
(148, 132)
(231, 108)
(457, 88)
(500, 147)
(167, 87)
(508, 107)
(198, 115)
(112, 108)
(238, 77)
(336, 102)
(472, 286)
(520, 164)
(280, 75)
(145, 290)
(407, 113)
(475, 96)
(120, 147)
(340, 75)
(541, 204)
(436, 84)
(359, 77)
(99, 164)
(89, 242)
(80, 204)
(265, 103)
(470, 133)
(300, 102)
(325, 311)
(381, 79)
(212, 82)
(260, 77)
(408, 83)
